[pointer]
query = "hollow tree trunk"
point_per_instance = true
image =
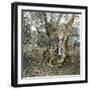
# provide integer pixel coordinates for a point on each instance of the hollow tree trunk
(67, 29)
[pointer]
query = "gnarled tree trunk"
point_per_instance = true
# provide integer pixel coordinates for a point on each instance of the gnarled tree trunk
(66, 32)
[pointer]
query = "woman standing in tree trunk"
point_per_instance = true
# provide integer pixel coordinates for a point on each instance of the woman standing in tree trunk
(59, 37)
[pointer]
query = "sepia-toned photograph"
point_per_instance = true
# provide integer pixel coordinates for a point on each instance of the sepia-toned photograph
(50, 43)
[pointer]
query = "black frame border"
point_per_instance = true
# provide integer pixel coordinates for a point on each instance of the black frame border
(14, 43)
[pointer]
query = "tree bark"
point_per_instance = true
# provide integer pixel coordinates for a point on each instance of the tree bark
(67, 29)
(47, 27)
